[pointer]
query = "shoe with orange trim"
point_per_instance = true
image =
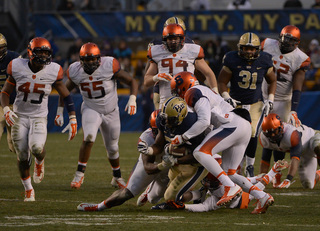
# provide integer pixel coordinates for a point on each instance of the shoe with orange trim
(38, 172)
(86, 207)
(230, 193)
(143, 198)
(29, 195)
(77, 180)
(118, 182)
(263, 204)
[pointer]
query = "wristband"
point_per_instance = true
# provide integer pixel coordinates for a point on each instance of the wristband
(225, 95)
(161, 166)
(271, 97)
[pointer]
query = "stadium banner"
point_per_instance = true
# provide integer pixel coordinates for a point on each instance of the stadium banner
(88, 25)
(308, 112)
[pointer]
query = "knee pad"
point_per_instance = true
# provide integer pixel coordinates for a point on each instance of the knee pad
(36, 150)
(113, 155)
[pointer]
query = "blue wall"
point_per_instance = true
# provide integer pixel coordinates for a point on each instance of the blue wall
(308, 112)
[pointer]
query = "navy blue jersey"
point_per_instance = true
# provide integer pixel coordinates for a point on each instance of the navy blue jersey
(159, 41)
(247, 78)
(170, 133)
(3, 70)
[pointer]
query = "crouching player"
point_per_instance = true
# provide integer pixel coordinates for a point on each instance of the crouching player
(147, 169)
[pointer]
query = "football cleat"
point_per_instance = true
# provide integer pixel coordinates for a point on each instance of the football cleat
(118, 182)
(86, 207)
(263, 204)
(318, 174)
(280, 165)
(143, 198)
(250, 171)
(277, 180)
(170, 205)
(29, 195)
(38, 172)
(230, 193)
(77, 180)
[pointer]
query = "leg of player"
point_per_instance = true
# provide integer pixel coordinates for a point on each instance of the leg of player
(265, 160)
(84, 154)
(24, 169)
(117, 198)
(250, 156)
(117, 181)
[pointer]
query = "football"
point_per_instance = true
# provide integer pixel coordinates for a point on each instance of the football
(178, 151)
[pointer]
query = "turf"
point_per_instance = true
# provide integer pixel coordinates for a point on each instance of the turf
(55, 207)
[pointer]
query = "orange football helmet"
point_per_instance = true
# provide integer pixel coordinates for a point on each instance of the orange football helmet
(3, 46)
(173, 37)
(152, 122)
(289, 39)
(90, 57)
(39, 51)
(181, 82)
(272, 127)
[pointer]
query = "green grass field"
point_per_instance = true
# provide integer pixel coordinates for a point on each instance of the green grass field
(55, 207)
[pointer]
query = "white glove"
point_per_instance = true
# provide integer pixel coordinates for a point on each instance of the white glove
(162, 77)
(10, 116)
(267, 107)
(144, 149)
(169, 160)
(131, 106)
(293, 119)
(72, 127)
(233, 102)
(285, 184)
(178, 140)
(228, 98)
(58, 121)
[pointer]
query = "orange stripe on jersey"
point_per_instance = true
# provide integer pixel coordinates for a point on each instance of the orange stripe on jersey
(244, 200)
(262, 44)
(60, 74)
(295, 157)
(214, 140)
(201, 54)
(115, 66)
(232, 171)
(221, 173)
(5, 93)
(10, 82)
(294, 139)
(149, 55)
(306, 63)
(9, 68)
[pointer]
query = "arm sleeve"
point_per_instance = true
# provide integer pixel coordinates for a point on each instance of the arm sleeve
(203, 121)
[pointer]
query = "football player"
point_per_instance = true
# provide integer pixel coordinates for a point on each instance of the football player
(5, 57)
(290, 64)
(302, 142)
(231, 135)
(171, 20)
(33, 79)
(172, 57)
(245, 69)
(96, 77)
(147, 169)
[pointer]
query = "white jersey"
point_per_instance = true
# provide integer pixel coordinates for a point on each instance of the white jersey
(287, 141)
(33, 89)
(285, 66)
(173, 63)
(99, 90)
(197, 98)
